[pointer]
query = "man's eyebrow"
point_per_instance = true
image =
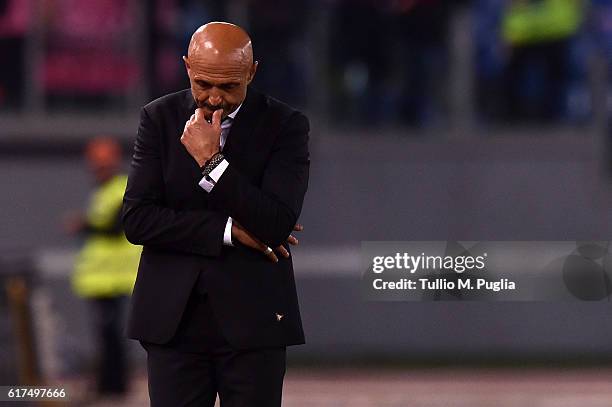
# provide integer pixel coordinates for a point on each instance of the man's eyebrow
(202, 81)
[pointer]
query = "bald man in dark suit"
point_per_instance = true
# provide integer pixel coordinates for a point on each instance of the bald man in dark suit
(216, 186)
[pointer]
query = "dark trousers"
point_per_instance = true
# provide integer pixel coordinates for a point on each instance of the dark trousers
(198, 363)
(112, 370)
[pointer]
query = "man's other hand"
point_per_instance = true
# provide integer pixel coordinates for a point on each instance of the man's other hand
(201, 138)
(246, 238)
(291, 240)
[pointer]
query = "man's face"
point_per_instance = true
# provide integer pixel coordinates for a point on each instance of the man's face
(218, 84)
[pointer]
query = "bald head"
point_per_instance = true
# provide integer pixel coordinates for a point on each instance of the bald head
(222, 42)
(220, 65)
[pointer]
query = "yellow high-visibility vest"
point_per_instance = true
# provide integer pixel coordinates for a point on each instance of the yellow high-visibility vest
(107, 264)
(526, 22)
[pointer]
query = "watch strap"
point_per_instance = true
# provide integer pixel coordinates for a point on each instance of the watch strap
(212, 163)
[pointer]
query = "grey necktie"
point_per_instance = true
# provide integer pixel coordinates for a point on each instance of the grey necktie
(226, 124)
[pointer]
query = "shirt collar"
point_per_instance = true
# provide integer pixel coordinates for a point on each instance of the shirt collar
(233, 114)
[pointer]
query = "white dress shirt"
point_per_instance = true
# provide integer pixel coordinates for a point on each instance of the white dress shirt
(215, 174)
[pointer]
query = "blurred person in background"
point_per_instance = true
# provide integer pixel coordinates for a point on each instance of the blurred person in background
(600, 19)
(105, 268)
(359, 63)
(170, 24)
(278, 29)
(421, 32)
(538, 35)
(78, 36)
(489, 59)
(389, 61)
(14, 27)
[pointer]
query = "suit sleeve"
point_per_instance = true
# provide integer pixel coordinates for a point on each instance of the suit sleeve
(270, 212)
(147, 221)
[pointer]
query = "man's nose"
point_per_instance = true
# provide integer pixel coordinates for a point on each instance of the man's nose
(214, 100)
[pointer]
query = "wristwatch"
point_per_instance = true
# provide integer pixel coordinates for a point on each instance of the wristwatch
(211, 164)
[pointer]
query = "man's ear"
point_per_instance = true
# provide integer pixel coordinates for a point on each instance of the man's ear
(187, 66)
(252, 72)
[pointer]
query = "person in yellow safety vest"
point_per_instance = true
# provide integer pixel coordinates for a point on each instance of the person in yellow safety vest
(105, 268)
(535, 21)
(538, 38)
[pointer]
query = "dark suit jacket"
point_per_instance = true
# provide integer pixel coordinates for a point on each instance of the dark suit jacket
(181, 226)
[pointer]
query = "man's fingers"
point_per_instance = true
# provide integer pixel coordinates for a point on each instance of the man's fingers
(199, 115)
(216, 118)
(246, 238)
(270, 254)
(292, 240)
(283, 252)
(189, 122)
(264, 249)
(298, 227)
(256, 244)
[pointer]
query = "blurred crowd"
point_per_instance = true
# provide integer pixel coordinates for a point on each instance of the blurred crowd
(364, 62)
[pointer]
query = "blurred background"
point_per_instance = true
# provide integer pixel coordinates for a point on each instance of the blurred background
(431, 120)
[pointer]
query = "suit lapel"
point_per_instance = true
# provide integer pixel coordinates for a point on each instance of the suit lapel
(245, 123)
(190, 107)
